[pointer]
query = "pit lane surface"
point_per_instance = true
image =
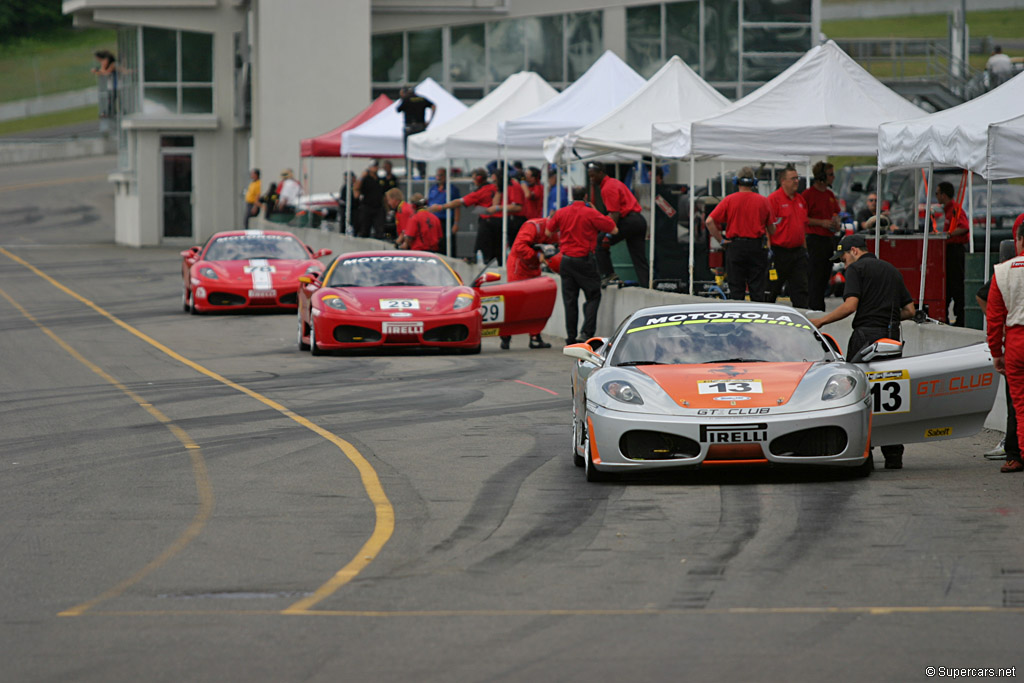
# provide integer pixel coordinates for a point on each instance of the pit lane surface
(183, 499)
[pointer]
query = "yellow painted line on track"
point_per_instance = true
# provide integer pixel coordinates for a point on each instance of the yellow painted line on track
(384, 513)
(203, 486)
(726, 611)
(51, 183)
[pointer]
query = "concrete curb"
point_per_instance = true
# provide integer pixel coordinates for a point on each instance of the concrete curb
(20, 109)
(27, 151)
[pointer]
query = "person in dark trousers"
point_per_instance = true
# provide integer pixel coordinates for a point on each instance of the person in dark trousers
(578, 226)
(370, 219)
(482, 196)
(878, 299)
(747, 217)
(613, 198)
(822, 227)
(958, 234)
(789, 241)
(414, 108)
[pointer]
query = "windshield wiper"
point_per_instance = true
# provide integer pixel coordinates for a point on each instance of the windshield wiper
(399, 284)
(345, 284)
(632, 363)
(738, 360)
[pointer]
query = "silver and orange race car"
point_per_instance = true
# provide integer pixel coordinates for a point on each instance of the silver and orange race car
(733, 383)
(396, 299)
(246, 269)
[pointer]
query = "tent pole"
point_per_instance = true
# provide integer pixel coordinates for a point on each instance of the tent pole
(544, 197)
(878, 211)
(970, 209)
(927, 226)
(448, 213)
(721, 169)
(693, 227)
(348, 195)
(988, 227)
(650, 261)
(504, 207)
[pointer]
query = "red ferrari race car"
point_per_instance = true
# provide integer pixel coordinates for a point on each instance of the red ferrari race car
(391, 299)
(246, 269)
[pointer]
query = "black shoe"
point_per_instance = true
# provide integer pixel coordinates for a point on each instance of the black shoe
(570, 342)
(538, 343)
(505, 343)
(894, 462)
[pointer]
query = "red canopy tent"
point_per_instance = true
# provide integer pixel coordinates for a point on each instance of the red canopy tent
(329, 144)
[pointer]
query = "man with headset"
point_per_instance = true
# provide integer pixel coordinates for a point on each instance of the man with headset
(747, 217)
(822, 227)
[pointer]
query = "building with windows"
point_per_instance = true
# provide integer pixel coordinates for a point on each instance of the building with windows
(208, 89)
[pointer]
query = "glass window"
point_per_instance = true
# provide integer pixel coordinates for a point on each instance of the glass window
(777, 39)
(467, 54)
(196, 100)
(196, 57)
(777, 10)
(160, 55)
(766, 67)
(682, 32)
(468, 94)
(177, 141)
(721, 46)
(585, 41)
(543, 37)
(505, 48)
(387, 57)
(643, 39)
(425, 55)
(159, 100)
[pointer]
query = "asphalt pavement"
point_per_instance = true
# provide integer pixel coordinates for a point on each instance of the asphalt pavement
(193, 498)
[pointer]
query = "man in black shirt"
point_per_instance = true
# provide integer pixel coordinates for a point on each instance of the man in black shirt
(370, 220)
(878, 299)
(414, 107)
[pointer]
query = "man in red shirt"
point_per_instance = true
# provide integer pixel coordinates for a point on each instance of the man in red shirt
(533, 191)
(482, 196)
(789, 244)
(613, 198)
(822, 227)
(394, 199)
(958, 234)
(578, 226)
(748, 218)
(524, 262)
(421, 232)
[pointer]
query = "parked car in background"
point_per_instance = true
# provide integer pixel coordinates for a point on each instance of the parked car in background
(851, 184)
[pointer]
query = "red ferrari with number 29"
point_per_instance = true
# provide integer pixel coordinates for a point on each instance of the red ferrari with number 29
(392, 299)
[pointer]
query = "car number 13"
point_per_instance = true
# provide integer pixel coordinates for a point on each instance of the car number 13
(492, 309)
(715, 386)
(890, 391)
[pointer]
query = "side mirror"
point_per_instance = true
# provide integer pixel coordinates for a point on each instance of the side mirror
(596, 343)
(308, 278)
(191, 251)
(489, 276)
(831, 341)
(322, 252)
(881, 349)
(584, 353)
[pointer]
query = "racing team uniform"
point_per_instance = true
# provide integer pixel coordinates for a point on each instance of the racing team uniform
(744, 215)
(403, 214)
(956, 217)
(516, 218)
(485, 243)
(613, 196)
(1005, 318)
(821, 244)
(578, 226)
(424, 231)
(524, 263)
(789, 249)
(534, 206)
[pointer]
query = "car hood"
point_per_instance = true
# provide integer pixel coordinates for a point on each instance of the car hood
(255, 271)
(412, 299)
(747, 385)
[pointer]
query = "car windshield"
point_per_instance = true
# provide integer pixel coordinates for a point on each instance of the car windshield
(1002, 196)
(391, 271)
(718, 336)
(243, 247)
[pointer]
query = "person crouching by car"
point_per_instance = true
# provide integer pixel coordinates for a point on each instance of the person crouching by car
(422, 231)
(525, 259)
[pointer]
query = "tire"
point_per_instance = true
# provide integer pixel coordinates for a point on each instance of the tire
(303, 346)
(185, 303)
(313, 350)
(577, 459)
(473, 351)
(865, 469)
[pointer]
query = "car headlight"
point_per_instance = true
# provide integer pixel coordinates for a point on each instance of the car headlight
(462, 301)
(838, 386)
(208, 273)
(623, 391)
(335, 302)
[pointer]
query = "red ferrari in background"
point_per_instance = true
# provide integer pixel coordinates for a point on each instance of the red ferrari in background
(389, 299)
(246, 269)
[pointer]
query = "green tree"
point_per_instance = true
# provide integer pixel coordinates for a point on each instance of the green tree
(22, 18)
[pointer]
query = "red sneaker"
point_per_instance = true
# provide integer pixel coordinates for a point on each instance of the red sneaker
(1012, 466)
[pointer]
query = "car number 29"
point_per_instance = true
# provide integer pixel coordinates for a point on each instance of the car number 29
(492, 309)
(890, 391)
(399, 304)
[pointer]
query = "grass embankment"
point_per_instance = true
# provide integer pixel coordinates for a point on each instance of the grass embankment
(59, 62)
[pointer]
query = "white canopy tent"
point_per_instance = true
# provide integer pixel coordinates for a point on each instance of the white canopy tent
(674, 93)
(382, 135)
(982, 135)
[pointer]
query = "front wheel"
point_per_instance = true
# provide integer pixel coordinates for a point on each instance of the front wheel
(313, 350)
(593, 474)
(865, 468)
(303, 346)
(185, 304)
(471, 351)
(577, 459)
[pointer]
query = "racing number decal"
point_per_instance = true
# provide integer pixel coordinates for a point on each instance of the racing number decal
(399, 304)
(717, 386)
(492, 309)
(890, 391)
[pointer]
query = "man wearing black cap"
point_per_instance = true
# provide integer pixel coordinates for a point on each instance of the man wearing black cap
(878, 299)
